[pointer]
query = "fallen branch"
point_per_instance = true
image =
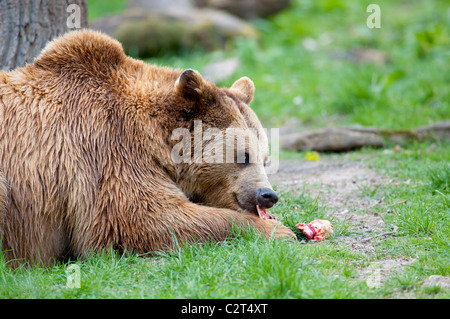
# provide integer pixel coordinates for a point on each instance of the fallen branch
(394, 231)
(398, 203)
(366, 240)
(346, 139)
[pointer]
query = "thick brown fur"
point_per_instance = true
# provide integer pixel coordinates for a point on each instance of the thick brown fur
(85, 155)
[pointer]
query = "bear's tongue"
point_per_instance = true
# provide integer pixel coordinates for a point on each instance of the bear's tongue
(262, 212)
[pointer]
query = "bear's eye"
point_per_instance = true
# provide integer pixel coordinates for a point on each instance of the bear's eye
(247, 159)
(243, 159)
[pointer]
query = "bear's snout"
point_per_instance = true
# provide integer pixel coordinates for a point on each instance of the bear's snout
(267, 197)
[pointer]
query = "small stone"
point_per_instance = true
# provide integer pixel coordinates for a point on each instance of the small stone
(220, 70)
(332, 139)
(437, 280)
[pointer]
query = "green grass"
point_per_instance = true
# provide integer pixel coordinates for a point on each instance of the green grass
(247, 266)
(99, 8)
(319, 88)
(439, 178)
(324, 86)
(230, 269)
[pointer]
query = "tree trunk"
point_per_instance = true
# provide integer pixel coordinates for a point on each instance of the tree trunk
(27, 25)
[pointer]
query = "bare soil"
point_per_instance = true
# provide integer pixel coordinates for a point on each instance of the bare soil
(350, 192)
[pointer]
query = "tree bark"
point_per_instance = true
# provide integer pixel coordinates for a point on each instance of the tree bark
(27, 25)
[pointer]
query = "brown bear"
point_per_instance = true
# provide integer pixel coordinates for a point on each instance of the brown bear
(86, 156)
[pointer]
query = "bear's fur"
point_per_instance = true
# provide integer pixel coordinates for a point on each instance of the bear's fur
(85, 155)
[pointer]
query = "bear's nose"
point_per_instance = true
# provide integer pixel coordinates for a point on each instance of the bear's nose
(267, 197)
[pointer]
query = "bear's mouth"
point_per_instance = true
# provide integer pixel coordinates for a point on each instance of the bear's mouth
(255, 209)
(263, 213)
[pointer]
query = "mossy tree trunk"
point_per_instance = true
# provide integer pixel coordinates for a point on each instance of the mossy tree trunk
(27, 25)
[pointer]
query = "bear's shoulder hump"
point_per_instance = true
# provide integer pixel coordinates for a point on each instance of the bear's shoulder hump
(81, 49)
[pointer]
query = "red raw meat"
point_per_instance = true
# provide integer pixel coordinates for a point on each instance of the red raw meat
(317, 229)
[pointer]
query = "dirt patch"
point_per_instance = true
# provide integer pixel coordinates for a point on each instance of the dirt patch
(353, 193)
(348, 190)
(342, 185)
(378, 271)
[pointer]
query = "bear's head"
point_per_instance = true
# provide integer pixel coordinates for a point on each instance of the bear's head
(221, 158)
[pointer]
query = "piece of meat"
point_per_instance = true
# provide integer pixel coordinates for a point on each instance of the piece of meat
(318, 229)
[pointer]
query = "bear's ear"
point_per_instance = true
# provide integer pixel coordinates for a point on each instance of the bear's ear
(189, 85)
(245, 89)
